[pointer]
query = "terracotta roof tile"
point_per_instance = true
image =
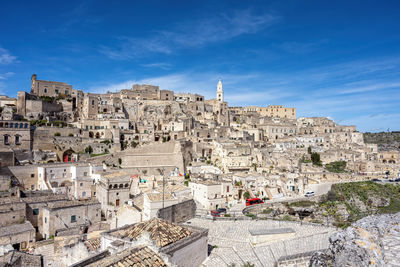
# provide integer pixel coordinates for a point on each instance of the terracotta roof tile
(137, 256)
(162, 232)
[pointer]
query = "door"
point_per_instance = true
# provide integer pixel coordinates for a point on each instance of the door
(117, 202)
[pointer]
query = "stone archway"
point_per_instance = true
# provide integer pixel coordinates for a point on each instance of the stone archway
(67, 156)
(91, 135)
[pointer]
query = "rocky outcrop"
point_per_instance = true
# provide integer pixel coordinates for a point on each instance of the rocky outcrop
(371, 241)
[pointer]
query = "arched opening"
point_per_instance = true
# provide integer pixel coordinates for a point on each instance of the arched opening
(67, 156)
(115, 186)
(54, 184)
(97, 135)
(121, 185)
(384, 161)
(91, 134)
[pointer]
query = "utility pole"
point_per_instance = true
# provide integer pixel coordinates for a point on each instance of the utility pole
(163, 184)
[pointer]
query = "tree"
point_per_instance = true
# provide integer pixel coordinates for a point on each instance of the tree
(316, 158)
(89, 150)
(255, 166)
(246, 195)
(309, 150)
(57, 134)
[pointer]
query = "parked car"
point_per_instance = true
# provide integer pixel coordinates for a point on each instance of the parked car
(397, 180)
(221, 210)
(376, 180)
(310, 194)
(215, 213)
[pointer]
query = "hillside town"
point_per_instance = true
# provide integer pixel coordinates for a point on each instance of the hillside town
(145, 176)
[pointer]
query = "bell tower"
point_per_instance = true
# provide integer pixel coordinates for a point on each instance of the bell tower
(220, 92)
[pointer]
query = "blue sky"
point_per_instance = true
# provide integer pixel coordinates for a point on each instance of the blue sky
(339, 59)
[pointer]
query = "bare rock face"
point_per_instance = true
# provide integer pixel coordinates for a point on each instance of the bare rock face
(371, 241)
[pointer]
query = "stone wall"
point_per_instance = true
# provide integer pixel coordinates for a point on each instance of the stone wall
(7, 158)
(178, 213)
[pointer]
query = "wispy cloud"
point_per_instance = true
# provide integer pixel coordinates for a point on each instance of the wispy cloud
(5, 76)
(191, 35)
(160, 65)
(6, 57)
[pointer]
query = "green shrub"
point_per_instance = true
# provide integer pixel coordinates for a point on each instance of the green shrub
(287, 218)
(89, 150)
(316, 159)
(70, 134)
(336, 166)
(57, 134)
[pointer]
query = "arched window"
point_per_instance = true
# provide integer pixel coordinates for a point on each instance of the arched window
(115, 186)
(126, 185)
(121, 186)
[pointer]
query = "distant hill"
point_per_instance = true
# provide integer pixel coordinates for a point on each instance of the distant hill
(385, 140)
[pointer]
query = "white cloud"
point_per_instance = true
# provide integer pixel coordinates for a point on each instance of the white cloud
(5, 76)
(6, 57)
(161, 65)
(193, 34)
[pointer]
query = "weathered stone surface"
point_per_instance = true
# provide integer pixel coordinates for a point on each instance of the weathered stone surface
(371, 241)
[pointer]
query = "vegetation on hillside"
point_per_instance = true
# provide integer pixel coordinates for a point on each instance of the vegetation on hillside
(336, 166)
(344, 204)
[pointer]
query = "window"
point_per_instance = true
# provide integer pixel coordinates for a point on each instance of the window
(66, 92)
(45, 90)
(32, 175)
(6, 141)
(81, 184)
(35, 211)
(45, 219)
(85, 174)
(56, 91)
(83, 194)
(92, 102)
(73, 218)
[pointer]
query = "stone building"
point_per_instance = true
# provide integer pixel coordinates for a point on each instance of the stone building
(50, 88)
(181, 245)
(211, 195)
(16, 135)
(7, 101)
(113, 190)
(19, 236)
(62, 215)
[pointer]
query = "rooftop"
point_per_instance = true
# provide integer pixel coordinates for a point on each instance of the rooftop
(159, 196)
(16, 229)
(114, 174)
(137, 256)
(70, 203)
(162, 232)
